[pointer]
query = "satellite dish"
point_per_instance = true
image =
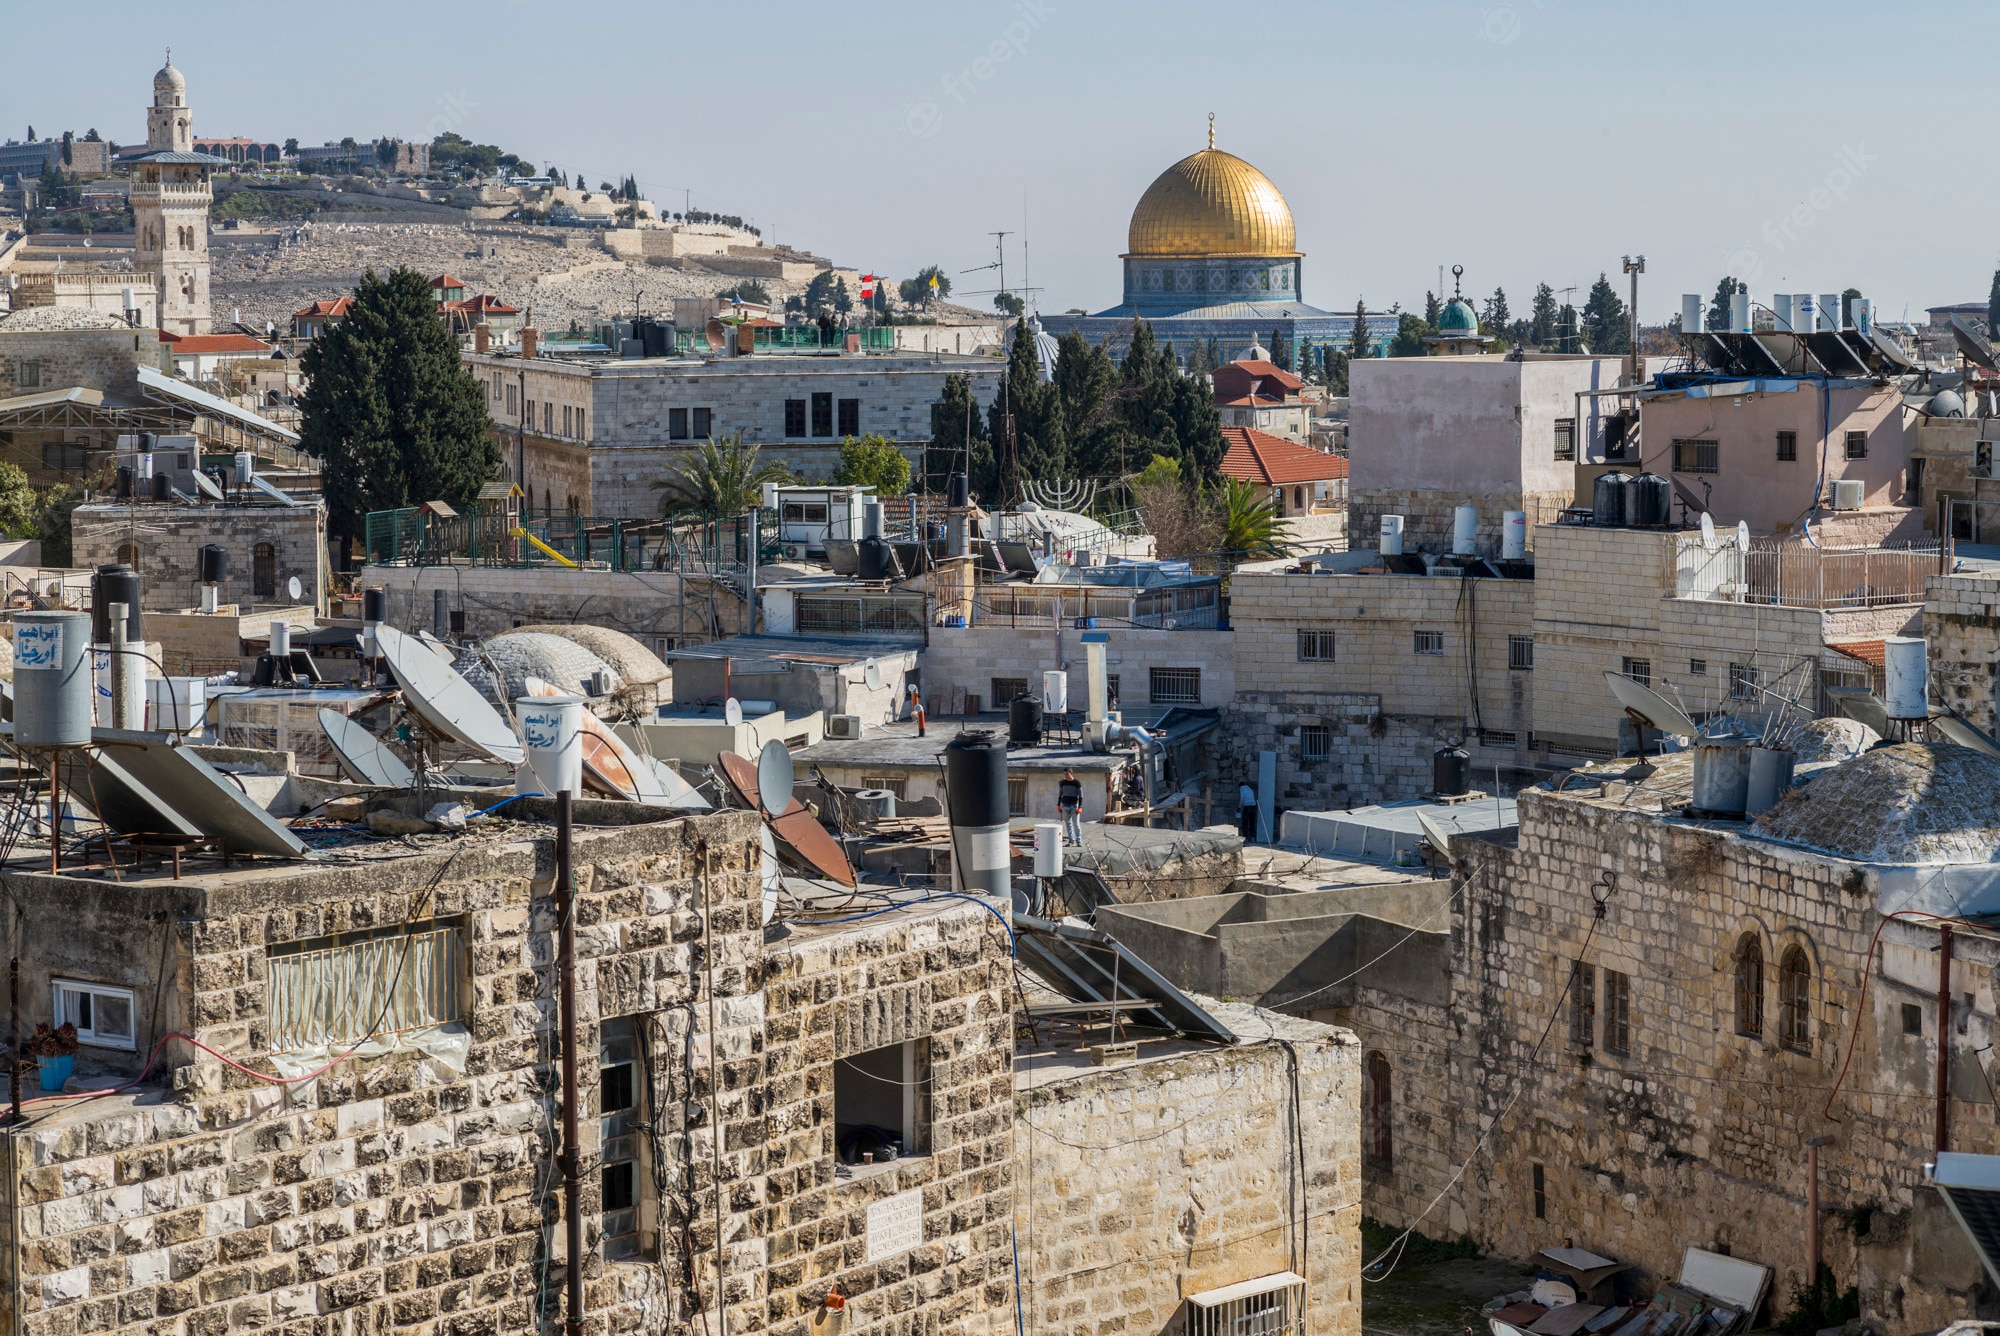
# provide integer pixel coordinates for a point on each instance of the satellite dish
(679, 792)
(732, 712)
(362, 755)
(1649, 707)
(717, 337)
(1972, 344)
(294, 588)
(446, 702)
(1743, 535)
(774, 778)
(872, 675)
(1708, 532)
(1435, 836)
(773, 873)
(206, 486)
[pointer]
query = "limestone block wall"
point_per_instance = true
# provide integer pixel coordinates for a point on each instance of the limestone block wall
(1430, 512)
(1961, 623)
(1375, 757)
(963, 661)
(649, 605)
(169, 539)
(1195, 1181)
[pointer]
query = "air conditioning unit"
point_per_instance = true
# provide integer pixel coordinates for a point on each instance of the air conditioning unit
(1847, 493)
(1982, 459)
(847, 726)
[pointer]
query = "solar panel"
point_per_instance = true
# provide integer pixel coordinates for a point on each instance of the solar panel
(195, 793)
(120, 800)
(1088, 966)
(1970, 1185)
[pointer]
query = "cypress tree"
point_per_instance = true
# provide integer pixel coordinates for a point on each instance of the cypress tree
(1993, 307)
(1607, 325)
(1433, 308)
(1357, 340)
(389, 410)
(958, 440)
(1542, 317)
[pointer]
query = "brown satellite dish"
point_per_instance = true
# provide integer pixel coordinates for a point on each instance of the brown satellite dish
(797, 830)
(717, 336)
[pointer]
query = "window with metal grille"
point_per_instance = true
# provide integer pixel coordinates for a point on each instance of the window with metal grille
(1565, 438)
(1617, 1012)
(128, 553)
(1750, 986)
(1379, 1143)
(1788, 446)
(624, 1156)
(1315, 744)
(1521, 653)
(1428, 642)
(548, 417)
(579, 423)
(1174, 686)
(1639, 670)
(62, 454)
(1856, 445)
(1268, 1306)
(703, 423)
(341, 990)
(1006, 688)
(850, 418)
(795, 417)
(1745, 681)
(822, 415)
(566, 419)
(677, 424)
(1697, 667)
(513, 393)
(1497, 737)
(264, 571)
(1582, 1004)
(1017, 795)
(1696, 457)
(1795, 1001)
(896, 784)
(31, 375)
(1316, 646)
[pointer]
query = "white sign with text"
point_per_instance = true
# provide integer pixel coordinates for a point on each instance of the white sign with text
(896, 1224)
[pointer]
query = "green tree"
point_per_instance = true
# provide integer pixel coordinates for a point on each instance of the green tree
(842, 302)
(1607, 325)
(1165, 412)
(1993, 307)
(385, 151)
(1718, 305)
(1247, 522)
(389, 410)
(1026, 422)
(719, 479)
(916, 291)
(749, 290)
(1433, 309)
(291, 148)
(1009, 303)
(871, 461)
(53, 508)
(631, 187)
(959, 443)
(1410, 332)
(1357, 338)
(1160, 471)
(1569, 335)
(819, 293)
(17, 503)
(1279, 357)
(1496, 316)
(1542, 317)
(1336, 362)
(1084, 381)
(1308, 361)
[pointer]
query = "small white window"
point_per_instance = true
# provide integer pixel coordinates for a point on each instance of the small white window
(102, 1014)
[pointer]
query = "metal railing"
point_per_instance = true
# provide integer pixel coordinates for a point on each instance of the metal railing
(1800, 575)
(798, 338)
(557, 539)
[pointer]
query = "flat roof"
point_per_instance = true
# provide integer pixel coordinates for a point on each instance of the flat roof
(897, 747)
(1380, 833)
(829, 650)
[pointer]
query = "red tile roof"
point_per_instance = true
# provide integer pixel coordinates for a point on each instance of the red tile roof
(446, 281)
(221, 343)
(1868, 651)
(325, 308)
(1258, 456)
(484, 304)
(1238, 380)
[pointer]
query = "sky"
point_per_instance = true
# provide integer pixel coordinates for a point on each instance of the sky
(1801, 147)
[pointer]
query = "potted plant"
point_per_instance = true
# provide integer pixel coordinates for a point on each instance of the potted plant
(54, 1052)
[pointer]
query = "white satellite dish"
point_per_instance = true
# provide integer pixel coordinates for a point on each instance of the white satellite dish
(679, 792)
(1649, 707)
(872, 675)
(774, 778)
(773, 874)
(294, 588)
(1434, 834)
(446, 702)
(1743, 535)
(1708, 539)
(206, 486)
(732, 712)
(362, 755)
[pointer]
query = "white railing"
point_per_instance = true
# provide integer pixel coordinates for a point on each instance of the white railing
(1801, 575)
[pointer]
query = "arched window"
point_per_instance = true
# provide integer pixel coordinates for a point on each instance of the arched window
(1795, 1001)
(1750, 986)
(1380, 1143)
(128, 553)
(264, 571)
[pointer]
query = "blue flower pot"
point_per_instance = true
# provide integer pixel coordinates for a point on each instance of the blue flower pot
(56, 1071)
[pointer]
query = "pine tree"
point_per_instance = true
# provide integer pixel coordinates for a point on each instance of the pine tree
(959, 443)
(1569, 338)
(1542, 317)
(1993, 307)
(1357, 338)
(1083, 381)
(1497, 317)
(389, 410)
(1719, 305)
(1307, 367)
(1278, 348)
(1410, 332)
(1213, 353)
(1607, 325)
(1433, 309)
(1026, 422)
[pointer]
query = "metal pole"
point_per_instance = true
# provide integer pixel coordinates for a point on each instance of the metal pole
(55, 810)
(1944, 1040)
(571, 1157)
(14, 1040)
(121, 669)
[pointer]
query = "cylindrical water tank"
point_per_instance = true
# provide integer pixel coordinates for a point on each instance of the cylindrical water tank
(1721, 775)
(1864, 314)
(163, 487)
(144, 471)
(1905, 678)
(1055, 691)
(122, 487)
(1692, 317)
(1829, 310)
(1770, 776)
(1739, 312)
(1048, 849)
(214, 560)
(1514, 535)
(872, 560)
(1451, 771)
(374, 603)
(115, 583)
(281, 639)
(1392, 536)
(52, 679)
(1649, 500)
(1781, 310)
(876, 802)
(1024, 720)
(1607, 498)
(246, 467)
(552, 735)
(975, 770)
(871, 519)
(1804, 312)
(955, 491)
(1465, 530)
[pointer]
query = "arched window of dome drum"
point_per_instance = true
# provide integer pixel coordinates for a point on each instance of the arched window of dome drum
(1750, 987)
(1795, 1001)
(1381, 1136)
(264, 571)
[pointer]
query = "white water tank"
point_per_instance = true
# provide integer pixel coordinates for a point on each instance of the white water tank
(1514, 535)
(552, 730)
(1829, 310)
(1781, 310)
(1905, 678)
(1739, 312)
(1392, 536)
(1804, 312)
(1465, 530)
(1055, 692)
(1692, 318)
(1048, 849)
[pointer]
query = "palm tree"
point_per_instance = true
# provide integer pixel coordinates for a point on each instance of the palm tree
(1248, 520)
(722, 478)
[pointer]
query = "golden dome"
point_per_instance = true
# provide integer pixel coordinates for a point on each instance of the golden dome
(1212, 203)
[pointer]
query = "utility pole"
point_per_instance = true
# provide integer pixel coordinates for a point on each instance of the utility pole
(1635, 265)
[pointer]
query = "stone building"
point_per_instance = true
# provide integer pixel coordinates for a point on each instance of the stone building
(269, 545)
(171, 196)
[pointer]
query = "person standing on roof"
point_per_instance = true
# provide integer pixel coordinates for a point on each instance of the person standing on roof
(1069, 802)
(1246, 816)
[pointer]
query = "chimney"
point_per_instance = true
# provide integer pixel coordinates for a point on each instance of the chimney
(482, 337)
(531, 339)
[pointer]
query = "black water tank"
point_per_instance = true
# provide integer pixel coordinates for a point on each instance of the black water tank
(875, 558)
(214, 560)
(1649, 500)
(163, 487)
(115, 583)
(654, 335)
(1450, 767)
(1024, 720)
(374, 604)
(124, 491)
(1607, 499)
(955, 491)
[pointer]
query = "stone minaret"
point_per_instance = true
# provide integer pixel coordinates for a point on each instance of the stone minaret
(170, 201)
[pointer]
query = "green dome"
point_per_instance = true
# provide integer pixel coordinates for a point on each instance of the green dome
(1458, 318)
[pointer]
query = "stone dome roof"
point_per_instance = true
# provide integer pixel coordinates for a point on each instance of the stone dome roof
(169, 79)
(1212, 203)
(1458, 317)
(1913, 802)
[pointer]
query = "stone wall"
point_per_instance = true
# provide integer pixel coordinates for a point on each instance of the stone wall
(1429, 514)
(1195, 1181)
(963, 661)
(1374, 757)
(170, 537)
(647, 604)
(36, 361)
(1962, 627)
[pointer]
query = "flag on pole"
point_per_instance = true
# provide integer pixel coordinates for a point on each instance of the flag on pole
(867, 286)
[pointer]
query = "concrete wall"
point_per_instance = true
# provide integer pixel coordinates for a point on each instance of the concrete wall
(170, 537)
(494, 599)
(962, 661)
(100, 359)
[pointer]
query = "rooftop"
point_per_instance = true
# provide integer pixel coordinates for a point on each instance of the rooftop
(1260, 457)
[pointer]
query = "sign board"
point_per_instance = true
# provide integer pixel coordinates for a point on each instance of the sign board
(38, 644)
(896, 1225)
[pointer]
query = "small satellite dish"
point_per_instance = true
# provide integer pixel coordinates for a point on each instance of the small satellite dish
(1743, 535)
(446, 702)
(1435, 836)
(1708, 539)
(294, 588)
(872, 675)
(716, 336)
(362, 755)
(732, 712)
(774, 778)
(1649, 707)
